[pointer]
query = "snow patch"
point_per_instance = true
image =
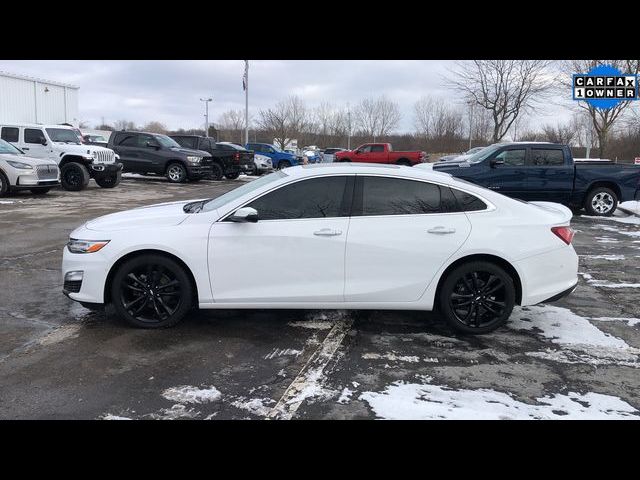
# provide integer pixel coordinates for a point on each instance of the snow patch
(409, 401)
(279, 352)
(391, 357)
(176, 412)
(345, 396)
(312, 324)
(189, 394)
(108, 416)
(258, 406)
(605, 257)
(629, 321)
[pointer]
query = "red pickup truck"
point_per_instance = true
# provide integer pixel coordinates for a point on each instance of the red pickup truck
(380, 153)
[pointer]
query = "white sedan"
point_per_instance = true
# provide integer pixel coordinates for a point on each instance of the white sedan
(328, 236)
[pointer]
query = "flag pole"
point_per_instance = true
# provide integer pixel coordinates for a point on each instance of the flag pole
(246, 102)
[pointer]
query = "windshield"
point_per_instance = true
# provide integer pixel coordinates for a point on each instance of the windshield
(63, 135)
(166, 141)
(483, 154)
(240, 191)
(6, 147)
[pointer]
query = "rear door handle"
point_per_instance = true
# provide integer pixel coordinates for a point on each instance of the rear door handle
(440, 230)
(327, 232)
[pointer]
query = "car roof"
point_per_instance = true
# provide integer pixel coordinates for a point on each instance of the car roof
(37, 125)
(365, 168)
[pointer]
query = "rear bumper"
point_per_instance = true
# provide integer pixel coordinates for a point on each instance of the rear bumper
(560, 295)
(548, 275)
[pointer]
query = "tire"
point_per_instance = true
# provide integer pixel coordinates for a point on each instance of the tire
(40, 191)
(601, 202)
(468, 305)
(143, 292)
(4, 185)
(74, 177)
(232, 176)
(110, 181)
(176, 173)
(283, 164)
(344, 160)
(216, 172)
(404, 162)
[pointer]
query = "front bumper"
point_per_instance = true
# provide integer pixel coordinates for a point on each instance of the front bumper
(90, 287)
(29, 182)
(104, 169)
(199, 171)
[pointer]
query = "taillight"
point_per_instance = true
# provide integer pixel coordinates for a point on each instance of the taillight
(564, 233)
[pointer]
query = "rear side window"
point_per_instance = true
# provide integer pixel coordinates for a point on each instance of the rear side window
(312, 198)
(396, 196)
(186, 142)
(468, 202)
(377, 148)
(33, 135)
(546, 157)
(10, 134)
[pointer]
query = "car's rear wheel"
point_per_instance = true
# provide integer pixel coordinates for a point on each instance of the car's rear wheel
(404, 162)
(40, 191)
(232, 175)
(74, 177)
(216, 172)
(477, 297)
(176, 173)
(284, 164)
(601, 202)
(151, 291)
(4, 185)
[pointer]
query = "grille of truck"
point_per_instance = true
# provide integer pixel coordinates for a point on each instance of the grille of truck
(104, 156)
(47, 172)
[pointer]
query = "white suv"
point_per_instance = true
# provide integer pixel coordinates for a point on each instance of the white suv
(20, 172)
(77, 162)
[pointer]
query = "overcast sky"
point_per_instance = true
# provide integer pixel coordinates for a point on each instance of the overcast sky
(169, 91)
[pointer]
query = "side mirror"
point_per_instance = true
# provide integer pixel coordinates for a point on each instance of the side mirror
(356, 152)
(496, 161)
(245, 215)
(43, 142)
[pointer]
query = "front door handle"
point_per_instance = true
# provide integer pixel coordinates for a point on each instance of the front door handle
(25, 148)
(327, 232)
(440, 230)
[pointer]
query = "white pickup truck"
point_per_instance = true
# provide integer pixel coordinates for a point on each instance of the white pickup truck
(77, 162)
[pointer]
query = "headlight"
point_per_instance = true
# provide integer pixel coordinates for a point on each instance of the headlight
(20, 165)
(85, 246)
(194, 159)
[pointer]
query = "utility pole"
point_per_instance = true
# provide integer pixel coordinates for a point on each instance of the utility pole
(245, 85)
(206, 114)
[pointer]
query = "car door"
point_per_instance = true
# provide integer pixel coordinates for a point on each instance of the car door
(126, 146)
(505, 172)
(549, 177)
(401, 233)
(293, 253)
(377, 154)
(32, 143)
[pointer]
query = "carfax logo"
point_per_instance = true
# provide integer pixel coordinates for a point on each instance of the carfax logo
(605, 87)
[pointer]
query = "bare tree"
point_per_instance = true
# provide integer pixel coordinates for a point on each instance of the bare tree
(287, 120)
(603, 120)
(231, 125)
(435, 119)
(124, 125)
(560, 133)
(376, 117)
(105, 126)
(155, 127)
(506, 88)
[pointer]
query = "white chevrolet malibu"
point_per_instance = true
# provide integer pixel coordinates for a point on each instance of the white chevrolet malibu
(328, 236)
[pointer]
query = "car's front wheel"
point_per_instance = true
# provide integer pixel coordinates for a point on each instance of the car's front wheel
(176, 173)
(151, 291)
(74, 177)
(4, 185)
(283, 164)
(109, 181)
(477, 297)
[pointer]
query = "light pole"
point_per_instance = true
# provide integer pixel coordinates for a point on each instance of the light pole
(245, 86)
(348, 127)
(470, 103)
(206, 114)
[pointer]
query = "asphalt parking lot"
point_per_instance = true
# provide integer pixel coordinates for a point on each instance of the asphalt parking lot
(577, 358)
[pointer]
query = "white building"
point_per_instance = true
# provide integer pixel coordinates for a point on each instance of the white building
(32, 100)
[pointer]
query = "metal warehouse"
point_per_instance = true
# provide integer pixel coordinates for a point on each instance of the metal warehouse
(25, 99)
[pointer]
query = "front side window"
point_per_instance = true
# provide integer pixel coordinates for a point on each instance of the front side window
(396, 196)
(10, 134)
(546, 157)
(512, 158)
(164, 141)
(35, 135)
(366, 149)
(312, 198)
(130, 141)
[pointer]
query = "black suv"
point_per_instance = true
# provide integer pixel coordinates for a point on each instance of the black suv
(229, 160)
(142, 152)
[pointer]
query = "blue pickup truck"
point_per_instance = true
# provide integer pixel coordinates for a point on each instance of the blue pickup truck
(279, 158)
(546, 171)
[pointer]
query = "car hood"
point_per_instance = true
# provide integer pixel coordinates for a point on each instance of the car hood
(26, 159)
(188, 151)
(159, 215)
